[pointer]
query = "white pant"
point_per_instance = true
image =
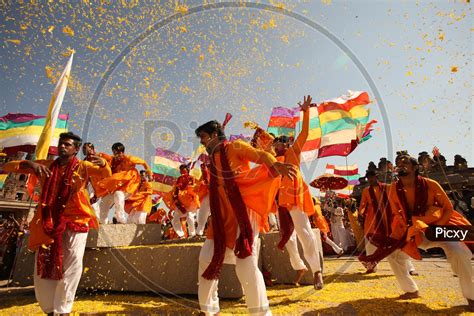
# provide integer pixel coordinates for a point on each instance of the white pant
(333, 245)
(458, 255)
(203, 214)
(96, 208)
(340, 235)
(272, 221)
(370, 249)
(57, 296)
(118, 198)
(247, 271)
(137, 217)
(308, 241)
(176, 222)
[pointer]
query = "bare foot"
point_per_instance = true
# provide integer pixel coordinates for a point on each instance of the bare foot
(318, 280)
(340, 253)
(409, 295)
(414, 273)
(299, 276)
(471, 305)
(372, 270)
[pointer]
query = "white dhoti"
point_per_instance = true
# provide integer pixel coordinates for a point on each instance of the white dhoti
(96, 208)
(203, 215)
(57, 296)
(458, 255)
(118, 198)
(302, 229)
(340, 235)
(137, 217)
(247, 271)
(333, 245)
(190, 220)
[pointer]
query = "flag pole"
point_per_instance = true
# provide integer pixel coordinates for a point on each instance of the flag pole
(350, 190)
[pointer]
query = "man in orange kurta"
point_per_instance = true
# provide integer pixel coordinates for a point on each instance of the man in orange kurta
(138, 206)
(418, 205)
(58, 230)
(240, 199)
(294, 198)
(376, 214)
(184, 202)
(123, 183)
(88, 149)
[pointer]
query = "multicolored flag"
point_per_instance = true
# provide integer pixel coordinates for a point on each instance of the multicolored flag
(245, 138)
(47, 133)
(166, 169)
(350, 173)
(21, 132)
(336, 126)
(340, 120)
(283, 121)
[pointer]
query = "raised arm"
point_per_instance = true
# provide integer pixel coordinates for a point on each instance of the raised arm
(139, 161)
(303, 135)
(248, 153)
(98, 167)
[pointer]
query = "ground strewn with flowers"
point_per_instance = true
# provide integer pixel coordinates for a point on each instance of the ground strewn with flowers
(347, 290)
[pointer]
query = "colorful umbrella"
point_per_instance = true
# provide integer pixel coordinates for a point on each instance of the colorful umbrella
(329, 181)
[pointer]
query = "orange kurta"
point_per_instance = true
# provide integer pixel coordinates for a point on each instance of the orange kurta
(141, 200)
(78, 208)
(296, 192)
(125, 177)
(439, 212)
(257, 186)
(319, 219)
(95, 179)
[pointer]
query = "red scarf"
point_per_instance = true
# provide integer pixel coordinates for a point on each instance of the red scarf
(286, 226)
(382, 214)
(50, 260)
(243, 245)
(421, 198)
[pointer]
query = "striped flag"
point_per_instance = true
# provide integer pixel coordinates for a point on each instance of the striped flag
(341, 120)
(166, 169)
(283, 121)
(350, 173)
(46, 136)
(245, 138)
(336, 126)
(21, 132)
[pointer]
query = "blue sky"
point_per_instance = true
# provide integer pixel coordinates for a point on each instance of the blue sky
(245, 61)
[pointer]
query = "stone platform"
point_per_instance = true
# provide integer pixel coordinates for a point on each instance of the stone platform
(128, 257)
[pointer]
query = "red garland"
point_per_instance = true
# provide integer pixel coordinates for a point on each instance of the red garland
(243, 245)
(50, 260)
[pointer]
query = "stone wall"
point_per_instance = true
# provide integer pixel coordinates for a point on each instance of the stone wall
(118, 259)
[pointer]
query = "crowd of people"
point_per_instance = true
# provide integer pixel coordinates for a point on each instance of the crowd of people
(231, 204)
